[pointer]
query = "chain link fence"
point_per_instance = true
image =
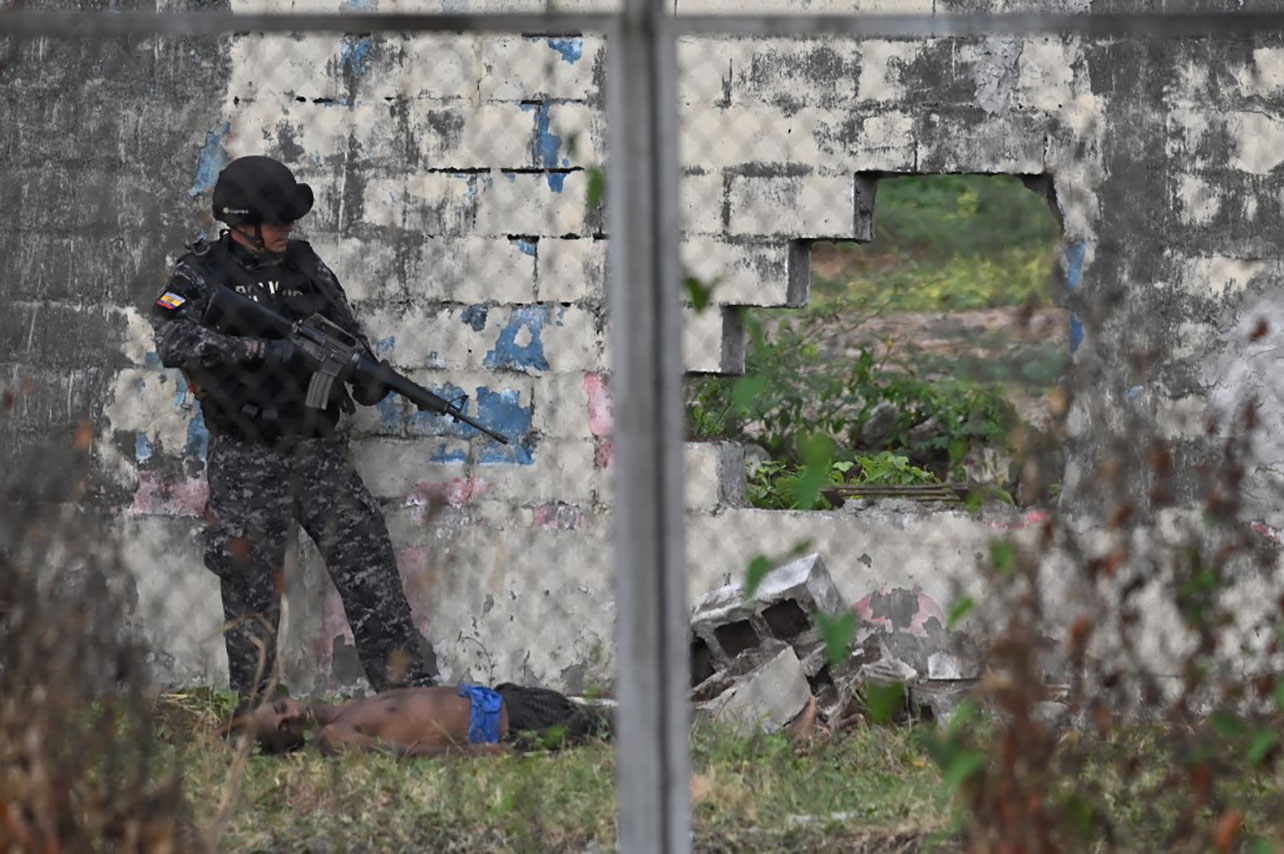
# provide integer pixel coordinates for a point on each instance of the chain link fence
(934, 326)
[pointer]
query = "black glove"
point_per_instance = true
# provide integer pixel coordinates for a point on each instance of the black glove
(276, 353)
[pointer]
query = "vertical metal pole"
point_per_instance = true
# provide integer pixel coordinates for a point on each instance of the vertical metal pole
(653, 762)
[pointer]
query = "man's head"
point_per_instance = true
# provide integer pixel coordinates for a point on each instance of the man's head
(278, 726)
(260, 199)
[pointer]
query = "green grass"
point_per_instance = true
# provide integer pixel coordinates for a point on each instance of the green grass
(749, 793)
(898, 281)
(946, 243)
(874, 788)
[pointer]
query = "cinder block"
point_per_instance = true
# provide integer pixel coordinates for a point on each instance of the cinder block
(700, 464)
(562, 406)
(706, 67)
(280, 68)
(968, 140)
(518, 68)
(153, 403)
(1198, 201)
(714, 139)
(783, 72)
(1045, 73)
(560, 470)
(713, 340)
(540, 338)
(475, 270)
(575, 341)
(475, 136)
(1259, 141)
(392, 469)
(740, 273)
(814, 7)
(502, 402)
(570, 134)
(1218, 275)
(715, 475)
(1185, 128)
(66, 335)
(368, 270)
(700, 198)
(434, 67)
(767, 697)
(310, 133)
(436, 203)
(421, 337)
(571, 271)
(535, 204)
(794, 206)
(883, 65)
(783, 608)
(1264, 76)
(879, 142)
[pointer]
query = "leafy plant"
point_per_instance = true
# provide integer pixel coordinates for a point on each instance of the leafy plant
(791, 391)
(781, 485)
(891, 469)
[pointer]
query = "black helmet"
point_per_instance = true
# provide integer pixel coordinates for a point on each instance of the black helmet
(258, 189)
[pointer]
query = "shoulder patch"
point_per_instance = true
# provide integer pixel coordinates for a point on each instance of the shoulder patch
(170, 300)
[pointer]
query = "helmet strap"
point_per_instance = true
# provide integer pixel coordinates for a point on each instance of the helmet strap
(256, 241)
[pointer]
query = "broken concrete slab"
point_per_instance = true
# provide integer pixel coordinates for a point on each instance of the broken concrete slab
(725, 624)
(767, 697)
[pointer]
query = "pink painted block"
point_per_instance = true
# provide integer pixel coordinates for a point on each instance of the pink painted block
(558, 516)
(159, 495)
(601, 420)
(456, 493)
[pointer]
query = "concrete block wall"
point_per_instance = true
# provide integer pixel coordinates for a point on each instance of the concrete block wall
(451, 175)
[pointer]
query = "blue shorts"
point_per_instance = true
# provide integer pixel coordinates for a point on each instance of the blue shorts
(483, 728)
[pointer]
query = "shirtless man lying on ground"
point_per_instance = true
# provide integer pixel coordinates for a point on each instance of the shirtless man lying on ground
(429, 721)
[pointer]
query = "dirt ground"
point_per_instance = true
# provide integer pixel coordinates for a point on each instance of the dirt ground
(1023, 351)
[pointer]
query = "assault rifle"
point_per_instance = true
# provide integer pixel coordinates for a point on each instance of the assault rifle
(332, 355)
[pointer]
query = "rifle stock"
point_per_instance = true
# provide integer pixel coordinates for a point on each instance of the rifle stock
(331, 353)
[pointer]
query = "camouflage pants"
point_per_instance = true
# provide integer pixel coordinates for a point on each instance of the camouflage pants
(255, 492)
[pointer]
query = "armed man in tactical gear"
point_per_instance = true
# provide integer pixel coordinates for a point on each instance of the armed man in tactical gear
(272, 459)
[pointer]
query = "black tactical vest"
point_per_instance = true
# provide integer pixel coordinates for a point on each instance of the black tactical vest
(248, 399)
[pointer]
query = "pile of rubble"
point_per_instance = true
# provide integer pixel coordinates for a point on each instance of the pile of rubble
(760, 661)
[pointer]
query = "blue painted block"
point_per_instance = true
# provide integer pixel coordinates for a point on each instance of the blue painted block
(1075, 254)
(431, 424)
(507, 353)
(142, 448)
(354, 54)
(571, 49)
(392, 414)
(503, 412)
(198, 437)
(475, 316)
(210, 162)
(443, 453)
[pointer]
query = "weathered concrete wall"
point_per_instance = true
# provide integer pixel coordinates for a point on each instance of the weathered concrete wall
(451, 175)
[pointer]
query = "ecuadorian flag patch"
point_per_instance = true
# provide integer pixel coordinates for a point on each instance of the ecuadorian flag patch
(170, 300)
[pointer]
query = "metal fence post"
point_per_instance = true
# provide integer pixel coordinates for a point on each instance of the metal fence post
(653, 764)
